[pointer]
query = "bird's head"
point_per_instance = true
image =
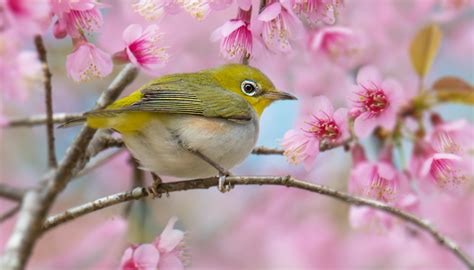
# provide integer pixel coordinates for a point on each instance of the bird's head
(251, 84)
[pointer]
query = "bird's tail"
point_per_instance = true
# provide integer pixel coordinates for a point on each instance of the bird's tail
(74, 122)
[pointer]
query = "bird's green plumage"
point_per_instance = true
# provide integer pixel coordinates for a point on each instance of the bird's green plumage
(182, 94)
(211, 93)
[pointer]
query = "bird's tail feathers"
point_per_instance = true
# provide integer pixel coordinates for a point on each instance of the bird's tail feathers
(73, 122)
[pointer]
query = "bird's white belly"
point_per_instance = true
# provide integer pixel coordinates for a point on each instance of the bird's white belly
(158, 147)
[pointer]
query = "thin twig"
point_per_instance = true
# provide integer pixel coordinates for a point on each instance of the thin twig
(41, 119)
(10, 213)
(262, 150)
(37, 202)
(288, 181)
(11, 193)
(52, 162)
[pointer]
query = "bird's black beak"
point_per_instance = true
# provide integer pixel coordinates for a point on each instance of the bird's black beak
(279, 95)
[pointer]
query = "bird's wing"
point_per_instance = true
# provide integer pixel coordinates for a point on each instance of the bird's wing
(180, 95)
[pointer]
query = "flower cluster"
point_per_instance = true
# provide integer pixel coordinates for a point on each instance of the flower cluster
(164, 253)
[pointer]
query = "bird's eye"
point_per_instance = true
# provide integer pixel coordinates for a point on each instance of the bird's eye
(249, 87)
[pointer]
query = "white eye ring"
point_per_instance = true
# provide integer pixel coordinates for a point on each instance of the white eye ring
(249, 87)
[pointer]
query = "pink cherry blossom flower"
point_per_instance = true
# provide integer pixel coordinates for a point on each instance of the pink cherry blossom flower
(76, 17)
(326, 127)
(452, 137)
(376, 180)
(87, 62)
(340, 44)
(300, 147)
(277, 23)
(164, 253)
(143, 48)
(155, 9)
(314, 11)
(26, 17)
(236, 36)
(377, 100)
(381, 181)
(448, 171)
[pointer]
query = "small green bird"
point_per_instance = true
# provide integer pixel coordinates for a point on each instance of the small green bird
(192, 124)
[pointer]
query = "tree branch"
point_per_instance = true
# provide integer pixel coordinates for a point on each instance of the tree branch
(288, 181)
(11, 193)
(41, 119)
(10, 213)
(52, 162)
(37, 202)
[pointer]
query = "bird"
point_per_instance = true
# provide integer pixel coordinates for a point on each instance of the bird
(191, 125)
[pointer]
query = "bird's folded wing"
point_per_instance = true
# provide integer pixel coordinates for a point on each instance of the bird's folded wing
(180, 96)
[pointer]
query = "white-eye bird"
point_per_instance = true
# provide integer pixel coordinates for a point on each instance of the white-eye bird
(192, 125)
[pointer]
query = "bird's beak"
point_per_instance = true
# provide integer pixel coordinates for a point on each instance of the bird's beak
(279, 95)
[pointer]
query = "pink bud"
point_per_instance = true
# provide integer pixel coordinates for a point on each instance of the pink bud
(59, 30)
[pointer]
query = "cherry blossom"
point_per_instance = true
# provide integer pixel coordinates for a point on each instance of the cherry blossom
(236, 36)
(143, 48)
(278, 22)
(163, 253)
(376, 102)
(87, 62)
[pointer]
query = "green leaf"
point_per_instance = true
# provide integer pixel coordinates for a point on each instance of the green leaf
(452, 89)
(424, 48)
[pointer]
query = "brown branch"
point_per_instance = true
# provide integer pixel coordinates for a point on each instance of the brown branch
(288, 181)
(11, 193)
(262, 150)
(41, 119)
(52, 161)
(37, 202)
(10, 213)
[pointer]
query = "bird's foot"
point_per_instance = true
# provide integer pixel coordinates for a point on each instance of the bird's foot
(153, 190)
(223, 186)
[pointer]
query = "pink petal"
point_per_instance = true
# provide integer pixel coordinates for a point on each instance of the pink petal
(220, 4)
(362, 174)
(244, 4)
(387, 119)
(103, 62)
(323, 107)
(170, 261)
(394, 92)
(132, 33)
(78, 61)
(131, 57)
(126, 258)
(341, 117)
(270, 12)
(226, 29)
(363, 127)
(317, 41)
(446, 156)
(170, 237)
(311, 151)
(426, 167)
(368, 76)
(146, 256)
(386, 170)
